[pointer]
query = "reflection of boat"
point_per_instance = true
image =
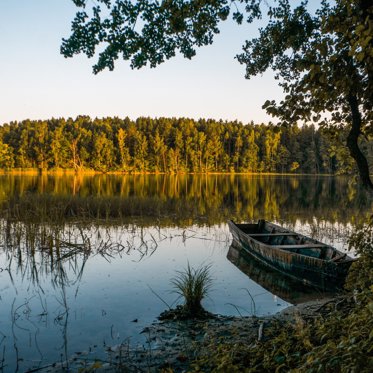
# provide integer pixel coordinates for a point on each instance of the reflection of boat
(299, 257)
(284, 287)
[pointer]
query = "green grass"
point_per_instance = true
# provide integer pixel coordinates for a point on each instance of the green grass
(193, 285)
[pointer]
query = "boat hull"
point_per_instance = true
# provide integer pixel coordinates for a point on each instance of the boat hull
(274, 281)
(303, 268)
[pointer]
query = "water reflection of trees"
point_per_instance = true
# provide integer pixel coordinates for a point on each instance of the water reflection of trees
(50, 226)
(182, 199)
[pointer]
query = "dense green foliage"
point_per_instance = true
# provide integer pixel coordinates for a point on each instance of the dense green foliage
(148, 31)
(323, 61)
(169, 145)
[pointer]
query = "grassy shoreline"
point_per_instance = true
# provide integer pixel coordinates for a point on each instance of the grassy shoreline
(221, 343)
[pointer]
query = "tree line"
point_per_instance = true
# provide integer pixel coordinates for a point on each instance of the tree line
(170, 145)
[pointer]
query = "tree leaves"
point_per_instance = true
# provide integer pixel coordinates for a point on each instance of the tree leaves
(147, 32)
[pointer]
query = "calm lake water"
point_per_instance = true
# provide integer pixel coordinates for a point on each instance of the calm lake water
(84, 260)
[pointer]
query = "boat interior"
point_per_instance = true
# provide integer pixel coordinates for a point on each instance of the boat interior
(280, 238)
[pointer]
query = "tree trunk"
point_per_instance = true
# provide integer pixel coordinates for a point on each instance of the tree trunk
(352, 143)
(366, 7)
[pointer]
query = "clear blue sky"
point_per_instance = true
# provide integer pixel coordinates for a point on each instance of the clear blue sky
(39, 83)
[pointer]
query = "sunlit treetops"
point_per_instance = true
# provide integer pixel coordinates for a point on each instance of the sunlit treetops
(169, 145)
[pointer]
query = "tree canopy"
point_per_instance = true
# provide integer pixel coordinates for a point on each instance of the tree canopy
(322, 58)
(325, 66)
(169, 145)
(148, 31)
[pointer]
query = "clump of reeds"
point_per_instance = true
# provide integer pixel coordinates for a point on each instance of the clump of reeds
(193, 285)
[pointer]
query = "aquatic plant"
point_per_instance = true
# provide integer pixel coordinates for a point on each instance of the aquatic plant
(193, 285)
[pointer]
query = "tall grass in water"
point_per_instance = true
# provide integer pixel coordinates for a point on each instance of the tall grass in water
(105, 210)
(193, 285)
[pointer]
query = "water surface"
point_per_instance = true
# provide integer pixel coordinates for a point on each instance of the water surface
(86, 261)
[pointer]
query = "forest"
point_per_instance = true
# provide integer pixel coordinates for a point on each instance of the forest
(172, 145)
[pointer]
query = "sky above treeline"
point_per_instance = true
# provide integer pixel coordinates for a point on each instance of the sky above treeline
(37, 82)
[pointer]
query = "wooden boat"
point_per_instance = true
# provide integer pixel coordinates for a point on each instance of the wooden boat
(295, 255)
(275, 282)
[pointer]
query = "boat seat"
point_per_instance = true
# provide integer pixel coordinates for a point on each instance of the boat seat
(272, 234)
(297, 247)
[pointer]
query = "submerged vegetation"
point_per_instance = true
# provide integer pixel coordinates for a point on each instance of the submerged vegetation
(171, 145)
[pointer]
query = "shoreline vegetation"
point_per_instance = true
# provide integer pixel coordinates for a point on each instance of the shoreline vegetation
(217, 344)
(180, 345)
(310, 337)
(181, 201)
(71, 171)
(171, 146)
